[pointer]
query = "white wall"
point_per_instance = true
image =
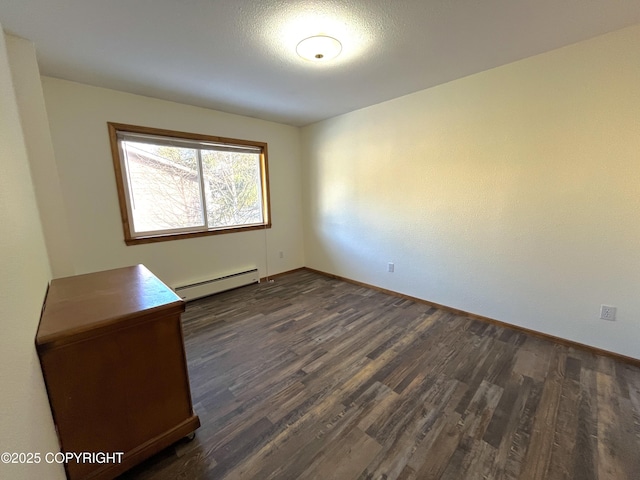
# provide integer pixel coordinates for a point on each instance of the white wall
(78, 116)
(513, 193)
(25, 418)
(44, 172)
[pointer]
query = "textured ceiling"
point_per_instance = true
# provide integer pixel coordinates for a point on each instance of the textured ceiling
(239, 55)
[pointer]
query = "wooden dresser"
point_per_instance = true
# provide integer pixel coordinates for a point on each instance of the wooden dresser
(112, 355)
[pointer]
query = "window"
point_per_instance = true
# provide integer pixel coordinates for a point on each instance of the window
(176, 185)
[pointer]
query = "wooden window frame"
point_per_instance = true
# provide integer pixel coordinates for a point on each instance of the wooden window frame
(127, 223)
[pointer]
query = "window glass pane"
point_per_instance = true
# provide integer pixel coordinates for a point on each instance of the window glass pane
(164, 185)
(232, 188)
(179, 185)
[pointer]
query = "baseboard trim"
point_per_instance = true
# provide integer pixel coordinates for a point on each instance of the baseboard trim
(276, 275)
(562, 341)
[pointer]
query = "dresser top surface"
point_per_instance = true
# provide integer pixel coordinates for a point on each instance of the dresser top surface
(78, 305)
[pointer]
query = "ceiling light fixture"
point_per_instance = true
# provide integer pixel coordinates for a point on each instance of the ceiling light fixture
(319, 48)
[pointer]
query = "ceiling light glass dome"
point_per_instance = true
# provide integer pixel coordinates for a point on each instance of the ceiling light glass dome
(319, 48)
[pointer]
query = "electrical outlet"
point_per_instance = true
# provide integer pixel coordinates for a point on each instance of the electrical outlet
(607, 312)
(391, 267)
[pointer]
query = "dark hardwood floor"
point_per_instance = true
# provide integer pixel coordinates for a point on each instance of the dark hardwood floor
(309, 377)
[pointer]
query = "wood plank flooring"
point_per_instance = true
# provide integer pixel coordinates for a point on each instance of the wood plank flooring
(309, 377)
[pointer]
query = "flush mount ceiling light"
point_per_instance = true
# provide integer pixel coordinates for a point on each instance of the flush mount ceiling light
(319, 48)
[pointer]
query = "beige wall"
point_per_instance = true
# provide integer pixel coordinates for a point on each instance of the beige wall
(25, 418)
(513, 193)
(78, 116)
(44, 171)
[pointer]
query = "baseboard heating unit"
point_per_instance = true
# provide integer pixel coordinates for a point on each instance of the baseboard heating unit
(217, 285)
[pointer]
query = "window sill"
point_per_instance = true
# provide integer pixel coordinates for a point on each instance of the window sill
(179, 236)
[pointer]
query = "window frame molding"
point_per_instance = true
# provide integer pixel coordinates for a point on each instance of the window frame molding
(127, 223)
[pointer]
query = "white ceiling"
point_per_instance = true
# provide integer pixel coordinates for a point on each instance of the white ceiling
(239, 55)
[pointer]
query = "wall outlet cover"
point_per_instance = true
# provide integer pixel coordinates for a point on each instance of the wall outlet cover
(607, 312)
